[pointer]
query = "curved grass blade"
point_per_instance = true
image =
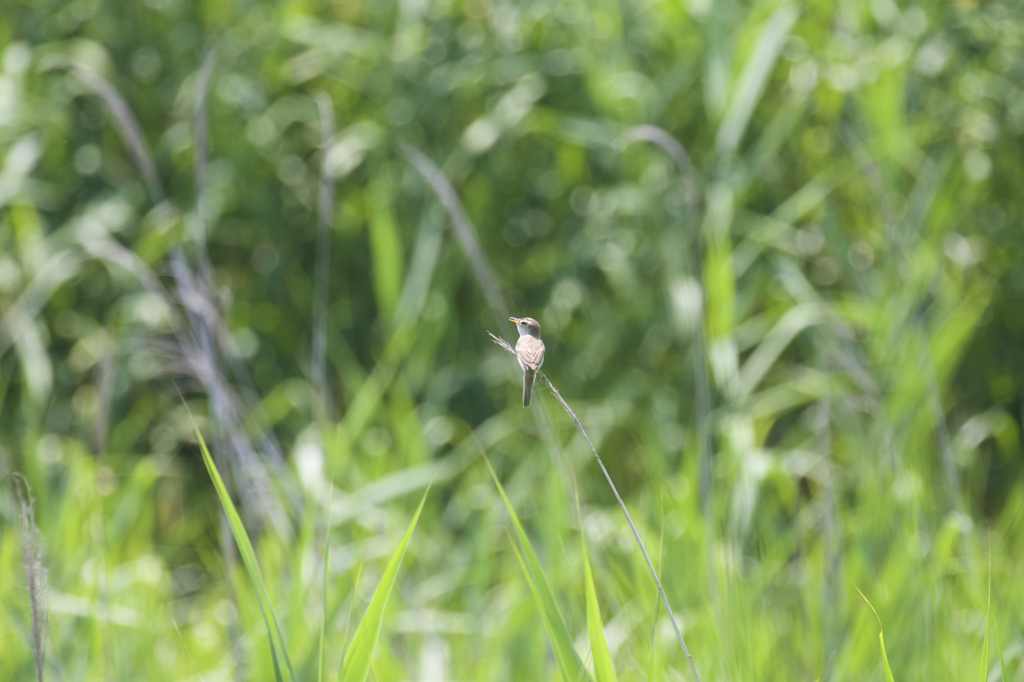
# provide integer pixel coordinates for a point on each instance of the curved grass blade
(754, 79)
(794, 321)
(881, 638)
(127, 123)
(277, 647)
(464, 232)
(603, 668)
(599, 651)
(356, 665)
(569, 662)
(564, 670)
(321, 273)
(629, 519)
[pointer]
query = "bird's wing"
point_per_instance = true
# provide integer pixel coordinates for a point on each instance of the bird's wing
(530, 351)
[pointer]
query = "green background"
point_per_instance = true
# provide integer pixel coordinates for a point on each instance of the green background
(835, 261)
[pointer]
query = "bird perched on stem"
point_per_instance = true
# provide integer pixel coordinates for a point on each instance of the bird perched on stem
(530, 351)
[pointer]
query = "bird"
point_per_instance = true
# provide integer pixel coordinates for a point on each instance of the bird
(529, 351)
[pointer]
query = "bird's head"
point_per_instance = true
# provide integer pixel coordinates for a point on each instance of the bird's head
(526, 325)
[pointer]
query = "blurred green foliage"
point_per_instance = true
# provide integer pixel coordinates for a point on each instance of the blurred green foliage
(845, 259)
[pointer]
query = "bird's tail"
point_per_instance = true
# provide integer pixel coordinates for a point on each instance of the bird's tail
(528, 378)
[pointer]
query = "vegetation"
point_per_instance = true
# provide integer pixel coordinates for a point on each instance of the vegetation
(775, 253)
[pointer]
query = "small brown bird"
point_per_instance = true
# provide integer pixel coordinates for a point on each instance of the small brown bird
(530, 351)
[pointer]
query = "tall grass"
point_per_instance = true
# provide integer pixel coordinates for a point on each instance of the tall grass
(35, 569)
(544, 382)
(776, 325)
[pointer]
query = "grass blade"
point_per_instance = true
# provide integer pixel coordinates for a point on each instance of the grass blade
(881, 637)
(885, 659)
(600, 653)
(464, 232)
(569, 662)
(672, 147)
(252, 567)
(127, 125)
(356, 665)
(321, 273)
(754, 79)
(603, 668)
(202, 146)
(35, 569)
(622, 505)
(774, 343)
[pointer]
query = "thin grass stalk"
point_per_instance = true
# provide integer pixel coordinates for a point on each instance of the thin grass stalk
(202, 147)
(184, 648)
(131, 133)
(463, 228)
(250, 398)
(674, 148)
(202, 314)
(35, 569)
(325, 214)
(636, 534)
(127, 124)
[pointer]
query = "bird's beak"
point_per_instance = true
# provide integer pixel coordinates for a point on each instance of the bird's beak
(513, 319)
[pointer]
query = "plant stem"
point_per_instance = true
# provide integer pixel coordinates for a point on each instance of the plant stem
(664, 598)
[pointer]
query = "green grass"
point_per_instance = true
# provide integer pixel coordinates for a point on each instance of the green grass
(569, 663)
(789, 326)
